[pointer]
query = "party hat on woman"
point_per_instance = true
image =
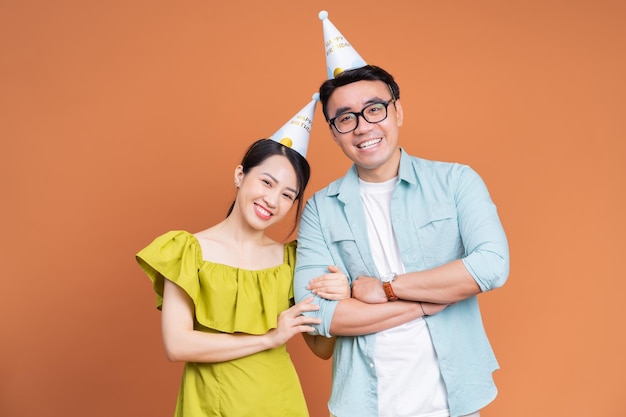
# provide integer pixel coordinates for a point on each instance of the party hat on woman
(296, 132)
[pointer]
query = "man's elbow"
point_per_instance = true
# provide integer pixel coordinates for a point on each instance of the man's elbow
(490, 270)
(499, 273)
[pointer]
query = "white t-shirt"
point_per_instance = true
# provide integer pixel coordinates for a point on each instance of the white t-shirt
(409, 381)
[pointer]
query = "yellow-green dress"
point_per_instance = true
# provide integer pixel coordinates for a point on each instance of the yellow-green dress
(230, 300)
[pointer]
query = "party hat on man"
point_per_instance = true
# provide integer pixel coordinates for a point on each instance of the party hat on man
(340, 55)
(296, 132)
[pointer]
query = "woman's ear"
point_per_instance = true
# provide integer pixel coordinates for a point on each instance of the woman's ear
(238, 176)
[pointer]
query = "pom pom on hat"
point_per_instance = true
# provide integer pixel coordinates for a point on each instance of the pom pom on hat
(340, 55)
(296, 132)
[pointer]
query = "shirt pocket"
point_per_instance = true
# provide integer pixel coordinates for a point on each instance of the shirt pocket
(345, 251)
(438, 235)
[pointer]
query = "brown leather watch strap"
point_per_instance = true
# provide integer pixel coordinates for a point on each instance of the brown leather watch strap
(391, 296)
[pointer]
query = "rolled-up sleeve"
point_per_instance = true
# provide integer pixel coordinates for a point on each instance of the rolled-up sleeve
(312, 260)
(487, 250)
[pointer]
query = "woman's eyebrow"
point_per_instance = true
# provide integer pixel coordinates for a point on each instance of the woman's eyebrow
(277, 182)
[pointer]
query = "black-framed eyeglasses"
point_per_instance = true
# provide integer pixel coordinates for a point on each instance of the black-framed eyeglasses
(373, 113)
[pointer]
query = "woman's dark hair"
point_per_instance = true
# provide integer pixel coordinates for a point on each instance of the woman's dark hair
(366, 73)
(262, 149)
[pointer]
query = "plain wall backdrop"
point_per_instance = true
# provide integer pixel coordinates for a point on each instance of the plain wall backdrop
(121, 120)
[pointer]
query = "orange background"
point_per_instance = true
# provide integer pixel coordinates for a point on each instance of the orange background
(121, 120)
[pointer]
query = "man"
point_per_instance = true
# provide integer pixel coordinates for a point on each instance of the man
(418, 240)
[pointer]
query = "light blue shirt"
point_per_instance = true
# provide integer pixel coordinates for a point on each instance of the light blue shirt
(440, 212)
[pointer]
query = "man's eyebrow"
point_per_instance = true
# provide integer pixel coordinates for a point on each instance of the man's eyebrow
(346, 109)
(276, 181)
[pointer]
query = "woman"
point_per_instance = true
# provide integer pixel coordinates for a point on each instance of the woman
(226, 296)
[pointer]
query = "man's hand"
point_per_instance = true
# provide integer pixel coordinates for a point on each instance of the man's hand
(368, 290)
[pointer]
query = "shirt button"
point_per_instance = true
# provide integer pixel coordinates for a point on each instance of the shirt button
(371, 365)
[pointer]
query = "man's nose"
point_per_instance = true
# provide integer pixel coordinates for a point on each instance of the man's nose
(362, 125)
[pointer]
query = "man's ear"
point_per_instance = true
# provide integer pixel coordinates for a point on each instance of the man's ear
(399, 112)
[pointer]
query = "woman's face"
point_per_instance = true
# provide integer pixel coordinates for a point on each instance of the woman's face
(266, 192)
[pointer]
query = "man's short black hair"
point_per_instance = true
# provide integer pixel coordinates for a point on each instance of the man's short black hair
(366, 73)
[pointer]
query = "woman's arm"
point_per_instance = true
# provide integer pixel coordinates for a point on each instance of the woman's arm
(184, 344)
(321, 346)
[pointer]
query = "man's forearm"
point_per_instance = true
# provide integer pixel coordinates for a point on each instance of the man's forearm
(445, 284)
(355, 318)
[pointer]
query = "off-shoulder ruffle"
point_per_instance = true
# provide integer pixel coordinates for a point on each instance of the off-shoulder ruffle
(226, 298)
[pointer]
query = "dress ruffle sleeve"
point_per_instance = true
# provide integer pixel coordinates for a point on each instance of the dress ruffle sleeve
(175, 255)
(226, 298)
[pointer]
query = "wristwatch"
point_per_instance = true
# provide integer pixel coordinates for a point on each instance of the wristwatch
(387, 279)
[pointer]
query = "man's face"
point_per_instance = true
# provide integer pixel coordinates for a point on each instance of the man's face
(373, 147)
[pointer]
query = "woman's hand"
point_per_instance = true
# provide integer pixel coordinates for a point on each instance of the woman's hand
(292, 322)
(331, 286)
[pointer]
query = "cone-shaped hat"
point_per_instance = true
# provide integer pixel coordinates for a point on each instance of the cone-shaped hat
(340, 55)
(296, 132)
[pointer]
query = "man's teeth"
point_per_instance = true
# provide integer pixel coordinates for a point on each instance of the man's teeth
(368, 143)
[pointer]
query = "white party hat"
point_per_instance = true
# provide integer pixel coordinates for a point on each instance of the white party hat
(295, 133)
(340, 55)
